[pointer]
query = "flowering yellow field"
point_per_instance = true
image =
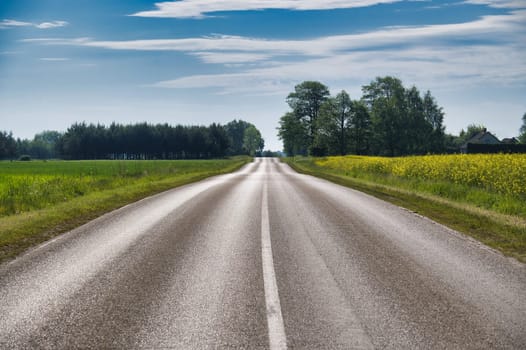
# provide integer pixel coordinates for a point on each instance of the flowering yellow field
(501, 173)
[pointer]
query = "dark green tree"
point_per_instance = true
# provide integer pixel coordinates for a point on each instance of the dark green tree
(236, 133)
(7, 145)
(434, 115)
(361, 128)
(452, 143)
(294, 135)
(522, 136)
(143, 141)
(43, 145)
(306, 101)
(402, 121)
(385, 98)
(415, 129)
(334, 122)
(218, 140)
(253, 143)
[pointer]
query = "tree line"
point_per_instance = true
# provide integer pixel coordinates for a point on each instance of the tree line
(388, 119)
(138, 141)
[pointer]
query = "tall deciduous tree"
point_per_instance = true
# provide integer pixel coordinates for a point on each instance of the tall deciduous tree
(7, 145)
(236, 133)
(360, 128)
(388, 120)
(385, 99)
(522, 136)
(334, 122)
(43, 145)
(294, 135)
(306, 101)
(252, 141)
(434, 115)
(415, 129)
(403, 122)
(218, 141)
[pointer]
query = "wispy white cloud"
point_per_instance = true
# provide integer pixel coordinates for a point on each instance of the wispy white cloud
(12, 23)
(513, 4)
(9, 23)
(200, 8)
(58, 41)
(433, 67)
(53, 24)
(237, 49)
(54, 59)
(231, 57)
(423, 55)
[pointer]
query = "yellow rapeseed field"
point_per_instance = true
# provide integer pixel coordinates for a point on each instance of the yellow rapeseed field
(501, 173)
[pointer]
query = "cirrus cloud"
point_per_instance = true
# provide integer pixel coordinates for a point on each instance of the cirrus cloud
(492, 51)
(200, 8)
(512, 4)
(499, 28)
(10, 23)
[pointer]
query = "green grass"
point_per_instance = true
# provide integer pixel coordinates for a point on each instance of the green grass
(26, 186)
(470, 210)
(40, 200)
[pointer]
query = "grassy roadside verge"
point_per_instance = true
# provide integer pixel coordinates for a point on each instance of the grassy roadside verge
(21, 231)
(502, 232)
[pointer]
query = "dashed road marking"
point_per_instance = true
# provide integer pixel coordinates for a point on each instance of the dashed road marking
(276, 328)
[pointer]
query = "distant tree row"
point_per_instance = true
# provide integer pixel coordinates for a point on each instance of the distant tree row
(389, 119)
(143, 141)
(42, 146)
(137, 141)
(8, 145)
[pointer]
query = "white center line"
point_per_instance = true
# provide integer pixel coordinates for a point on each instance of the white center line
(276, 328)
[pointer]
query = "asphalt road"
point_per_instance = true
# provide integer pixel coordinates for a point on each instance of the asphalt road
(263, 258)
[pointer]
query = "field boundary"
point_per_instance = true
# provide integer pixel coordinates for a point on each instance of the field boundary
(20, 232)
(505, 233)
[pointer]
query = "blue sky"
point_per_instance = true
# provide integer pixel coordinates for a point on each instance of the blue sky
(201, 61)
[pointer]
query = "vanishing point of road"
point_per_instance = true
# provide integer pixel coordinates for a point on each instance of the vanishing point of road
(263, 258)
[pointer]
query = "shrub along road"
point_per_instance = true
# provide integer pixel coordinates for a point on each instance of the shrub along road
(262, 258)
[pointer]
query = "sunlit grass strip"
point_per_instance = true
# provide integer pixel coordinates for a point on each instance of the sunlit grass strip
(26, 186)
(501, 231)
(30, 227)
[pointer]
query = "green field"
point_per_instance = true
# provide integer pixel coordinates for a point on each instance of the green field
(481, 195)
(41, 199)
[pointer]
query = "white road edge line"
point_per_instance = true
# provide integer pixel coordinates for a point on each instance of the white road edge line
(276, 328)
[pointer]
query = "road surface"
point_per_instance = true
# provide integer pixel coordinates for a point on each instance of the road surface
(263, 258)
